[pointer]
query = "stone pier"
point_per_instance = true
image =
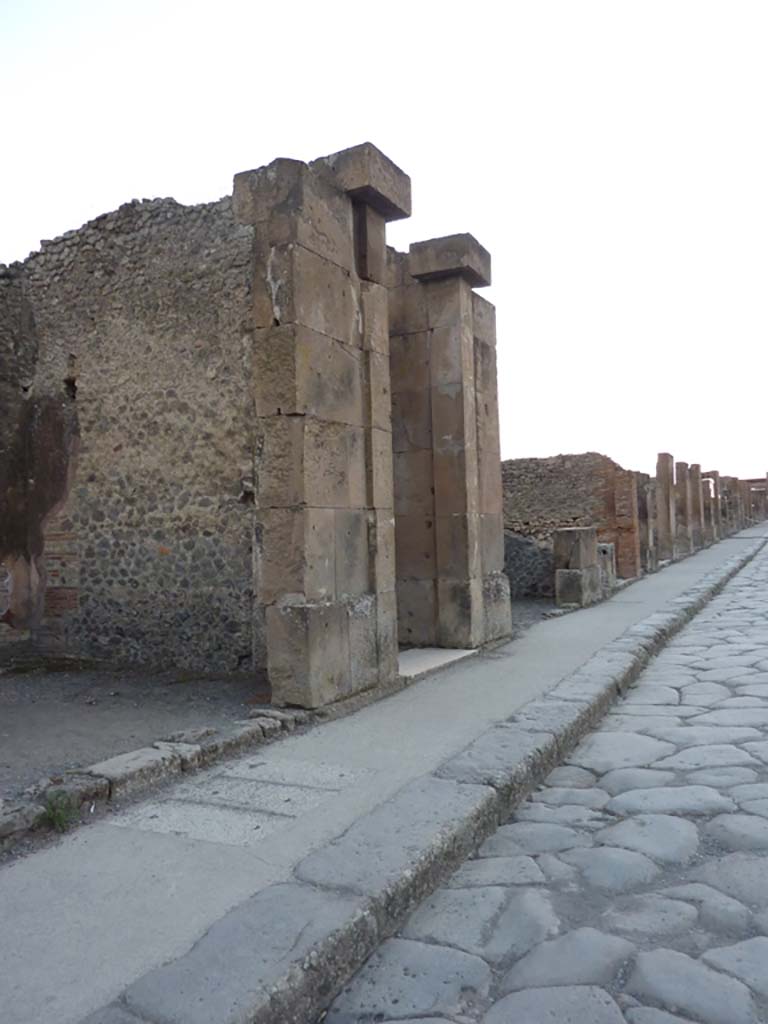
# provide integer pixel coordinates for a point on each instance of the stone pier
(665, 506)
(683, 510)
(717, 512)
(697, 513)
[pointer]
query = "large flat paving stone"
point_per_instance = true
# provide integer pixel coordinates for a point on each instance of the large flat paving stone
(755, 717)
(740, 875)
(715, 755)
(411, 979)
(647, 693)
(494, 923)
(747, 961)
(659, 836)
(716, 910)
(648, 1015)
(496, 871)
(569, 1004)
(692, 800)
(694, 735)
(750, 791)
(584, 956)
(759, 807)
(568, 775)
(612, 869)
(622, 779)
(759, 749)
(569, 814)
(675, 982)
(722, 778)
(532, 837)
(650, 915)
(739, 831)
(604, 751)
(559, 795)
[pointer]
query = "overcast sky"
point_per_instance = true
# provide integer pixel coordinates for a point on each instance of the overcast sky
(612, 155)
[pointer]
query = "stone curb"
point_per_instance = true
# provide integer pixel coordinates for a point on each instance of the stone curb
(283, 956)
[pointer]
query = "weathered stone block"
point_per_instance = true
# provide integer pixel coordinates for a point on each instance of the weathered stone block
(490, 496)
(415, 547)
(449, 302)
(381, 527)
(460, 613)
(408, 309)
(575, 547)
(577, 586)
(452, 255)
(454, 481)
(417, 612)
(379, 469)
(497, 608)
(386, 635)
(370, 243)
(369, 176)
(411, 421)
(375, 305)
(453, 420)
(363, 642)
(291, 203)
(378, 391)
(353, 562)
(483, 320)
(409, 362)
(308, 654)
(413, 483)
(491, 542)
(298, 371)
(451, 355)
(458, 546)
(298, 553)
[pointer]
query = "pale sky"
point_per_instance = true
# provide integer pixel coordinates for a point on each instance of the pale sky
(611, 154)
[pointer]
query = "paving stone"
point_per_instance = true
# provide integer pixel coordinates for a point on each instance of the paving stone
(759, 807)
(741, 702)
(732, 661)
(532, 837)
(569, 1004)
(725, 675)
(750, 791)
(603, 752)
(715, 755)
(584, 956)
(612, 869)
(647, 693)
(555, 795)
(554, 869)
(739, 831)
(722, 778)
(494, 923)
(740, 875)
(754, 689)
(671, 800)
(747, 961)
(755, 717)
(565, 815)
(647, 1015)
(496, 871)
(405, 978)
(568, 775)
(698, 735)
(622, 779)
(659, 836)
(638, 711)
(675, 981)
(715, 909)
(759, 749)
(703, 694)
(650, 915)
(637, 723)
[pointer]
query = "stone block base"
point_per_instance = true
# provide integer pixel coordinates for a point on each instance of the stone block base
(579, 587)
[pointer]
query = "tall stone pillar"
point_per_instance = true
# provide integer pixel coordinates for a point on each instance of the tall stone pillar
(451, 587)
(683, 536)
(697, 518)
(708, 511)
(628, 563)
(665, 506)
(644, 519)
(321, 397)
(717, 510)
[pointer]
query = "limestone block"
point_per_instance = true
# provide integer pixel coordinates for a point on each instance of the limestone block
(485, 366)
(490, 496)
(457, 539)
(492, 542)
(363, 642)
(379, 469)
(294, 285)
(411, 420)
(305, 461)
(450, 256)
(381, 527)
(415, 551)
(497, 608)
(370, 243)
(379, 397)
(483, 320)
(575, 547)
(449, 301)
(417, 612)
(386, 635)
(408, 309)
(410, 362)
(455, 475)
(460, 613)
(298, 553)
(353, 568)
(451, 355)
(291, 203)
(487, 419)
(298, 371)
(454, 424)
(369, 176)
(577, 586)
(413, 483)
(308, 653)
(375, 305)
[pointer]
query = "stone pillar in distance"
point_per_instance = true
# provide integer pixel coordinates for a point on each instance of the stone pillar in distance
(697, 514)
(665, 506)
(683, 537)
(717, 510)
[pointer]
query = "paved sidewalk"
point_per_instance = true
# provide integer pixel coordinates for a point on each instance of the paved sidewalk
(87, 917)
(632, 888)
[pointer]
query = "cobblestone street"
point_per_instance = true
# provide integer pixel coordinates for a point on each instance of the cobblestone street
(633, 886)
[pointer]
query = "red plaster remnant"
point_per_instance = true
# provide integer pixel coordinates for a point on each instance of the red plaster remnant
(35, 478)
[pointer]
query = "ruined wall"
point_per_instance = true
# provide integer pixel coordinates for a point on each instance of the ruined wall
(138, 427)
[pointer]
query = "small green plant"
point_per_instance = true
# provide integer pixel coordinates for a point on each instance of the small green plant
(60, 811)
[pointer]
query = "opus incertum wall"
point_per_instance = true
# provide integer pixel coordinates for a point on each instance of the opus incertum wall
(197, 453)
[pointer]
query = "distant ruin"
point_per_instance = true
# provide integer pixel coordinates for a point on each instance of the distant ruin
(249, 436)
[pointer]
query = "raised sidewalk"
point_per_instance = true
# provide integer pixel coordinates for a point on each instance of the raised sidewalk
(251, 891)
